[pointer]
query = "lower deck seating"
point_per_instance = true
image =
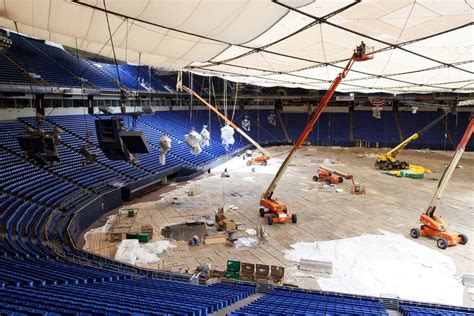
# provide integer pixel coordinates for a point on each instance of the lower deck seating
(34, 280)
(119, 296)
(409, 310)
(282, 302)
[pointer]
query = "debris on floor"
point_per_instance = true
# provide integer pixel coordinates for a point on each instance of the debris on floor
(332, 188)
(319, 268)
(251, 232)
(193, 192)
(386, 263)
(132, 252)
(246, 242)
(218, 238)
(367, 155)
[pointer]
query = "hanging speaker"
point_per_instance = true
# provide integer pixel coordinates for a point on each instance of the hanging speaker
(135, 142)
(108, 135)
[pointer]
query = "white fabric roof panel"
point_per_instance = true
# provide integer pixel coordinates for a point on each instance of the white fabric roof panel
(280, 42)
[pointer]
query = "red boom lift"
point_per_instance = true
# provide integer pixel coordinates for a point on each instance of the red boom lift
(435, 226)
(278, 212)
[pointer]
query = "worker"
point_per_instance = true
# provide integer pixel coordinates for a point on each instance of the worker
(195, 241)
(225, 174)
(360, 50)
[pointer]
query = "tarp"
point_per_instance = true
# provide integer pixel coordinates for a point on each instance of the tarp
(193, 140)
(227, 136)
(420, 46)
(205, 137)
(165, 146)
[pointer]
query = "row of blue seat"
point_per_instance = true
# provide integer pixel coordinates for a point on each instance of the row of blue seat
(157, 297)
(420, 310)
(57, 67)
(282, 302)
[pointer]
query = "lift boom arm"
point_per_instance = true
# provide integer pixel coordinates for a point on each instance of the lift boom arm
(180, 86)
(394, 152)
(314, 118)
(339, 173)
(450, 168)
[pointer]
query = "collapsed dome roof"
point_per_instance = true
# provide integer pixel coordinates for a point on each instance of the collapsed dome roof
(420, 46)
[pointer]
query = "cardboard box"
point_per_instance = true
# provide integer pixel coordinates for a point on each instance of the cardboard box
(230, 224)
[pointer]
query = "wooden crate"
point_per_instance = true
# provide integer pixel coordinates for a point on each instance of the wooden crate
(262, 271)
(218, 238)
(147, 229)
(216, 274)
(277, 273)
(247, 269)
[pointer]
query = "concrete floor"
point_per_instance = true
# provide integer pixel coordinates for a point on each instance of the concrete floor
(391, 203)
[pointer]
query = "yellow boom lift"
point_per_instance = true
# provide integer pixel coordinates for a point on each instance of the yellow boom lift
(264, 154)
(389, 161)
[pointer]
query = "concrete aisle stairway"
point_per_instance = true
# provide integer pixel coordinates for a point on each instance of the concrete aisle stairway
(237, 305)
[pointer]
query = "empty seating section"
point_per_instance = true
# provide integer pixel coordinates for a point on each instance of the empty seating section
(260, 129)
(295, 123)
(9, 130)
(57, 67)
(11, 73)
(409, 310)
(27, 181)
(214, 125)
(331, 129)
(160, 122)
(72, 165)
(147, 78)
(457, 125)
(91, 291)
(433, 138)
(282, 302)
(34, 280)
(37, 62)
(78, 66)
(382, 131)
(74, 133)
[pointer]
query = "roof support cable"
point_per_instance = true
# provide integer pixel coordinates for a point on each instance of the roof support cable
(113, 46)
(236, 87)
(371, 37)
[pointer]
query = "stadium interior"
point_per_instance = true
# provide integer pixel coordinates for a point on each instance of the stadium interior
(134, 158)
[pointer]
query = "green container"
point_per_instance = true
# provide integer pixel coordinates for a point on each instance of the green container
(233, 266)
(132, 235)
(231, 275)
(417, 175)
(131, 213)
(143, 237)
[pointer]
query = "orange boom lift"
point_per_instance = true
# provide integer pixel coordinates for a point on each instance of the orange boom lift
(277, 210)
(332, 176)
(435, 226)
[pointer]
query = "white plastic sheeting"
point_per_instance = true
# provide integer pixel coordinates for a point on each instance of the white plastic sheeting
(132, 252)
(193, 139)
(127, 251)
(99, 230)
(165, 146)
(227, 136)
(205, 137)
(270, 43)
(388, 263)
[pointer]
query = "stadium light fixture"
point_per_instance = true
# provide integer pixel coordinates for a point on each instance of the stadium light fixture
(5, 43)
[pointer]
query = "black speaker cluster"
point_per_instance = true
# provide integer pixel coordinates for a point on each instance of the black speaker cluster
(118, 144)
(40, 146)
